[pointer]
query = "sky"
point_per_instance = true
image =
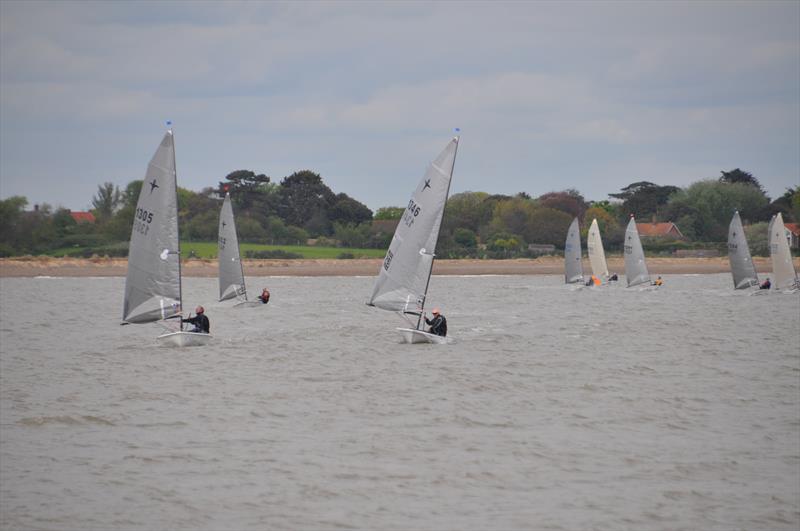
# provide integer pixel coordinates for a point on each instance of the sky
(547, 95)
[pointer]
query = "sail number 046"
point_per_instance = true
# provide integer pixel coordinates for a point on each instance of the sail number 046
(142, 220)
(412, 212)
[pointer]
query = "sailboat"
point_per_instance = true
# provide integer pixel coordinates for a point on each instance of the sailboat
(635, 267)
(597, 255)
(784, 275)
(231, 274)
(405, 274)
(153, 284)
(573, 267)
(742, 267)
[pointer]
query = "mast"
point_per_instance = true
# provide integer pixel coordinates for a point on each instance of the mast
(433, 255)
(177, 224)
(238, 250)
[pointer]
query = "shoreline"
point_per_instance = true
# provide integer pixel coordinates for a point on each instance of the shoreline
(547, 265)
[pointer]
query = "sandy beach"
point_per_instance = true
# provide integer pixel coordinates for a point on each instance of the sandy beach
(548, 265)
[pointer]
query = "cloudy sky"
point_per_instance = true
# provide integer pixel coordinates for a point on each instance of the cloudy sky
(587, 95)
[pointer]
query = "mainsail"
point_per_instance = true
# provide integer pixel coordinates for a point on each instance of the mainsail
(573, 268)
(742, 267)
(231, 275)
(153, 286)
(402, 283)
(597, 256)
(635, 268)
(782, 266)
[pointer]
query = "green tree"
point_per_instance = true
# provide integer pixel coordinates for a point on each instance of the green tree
(11, 212)
(347, 210)
(106, 201)
(389, 213)
(304, 201)
(247, 188)
(465, 238)
(548, 226)
(740, 176)
(570, 201)
(644, 199)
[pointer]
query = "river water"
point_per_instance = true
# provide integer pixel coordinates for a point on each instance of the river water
(554, 409)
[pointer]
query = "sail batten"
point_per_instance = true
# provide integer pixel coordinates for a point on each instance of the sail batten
(742, 268)
(152, 285)
(597, 255)
(573, 267)
(785, 277)
(403, 278)
(635, 268)
(231, 274)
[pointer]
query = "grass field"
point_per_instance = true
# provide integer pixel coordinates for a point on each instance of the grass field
(209, 250)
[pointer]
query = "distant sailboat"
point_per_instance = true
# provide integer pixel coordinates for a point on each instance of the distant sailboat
(153, 284)
(784, 275)
(597, 255)
(231, 274)
(573, 267)
(402, 283)
(742, 267)
(635, 267)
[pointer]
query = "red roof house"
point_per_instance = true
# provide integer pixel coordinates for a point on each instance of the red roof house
(82, 217)
(659, 230)
(794, 229)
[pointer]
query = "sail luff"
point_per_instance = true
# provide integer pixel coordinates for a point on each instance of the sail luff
(785, 277)
(231, 273)
(597, 255)
(635, 268)
(406, 268)
(742, 268)
(573, 268)
(152, 284)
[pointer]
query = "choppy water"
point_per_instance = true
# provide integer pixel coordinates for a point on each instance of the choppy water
(555, 409)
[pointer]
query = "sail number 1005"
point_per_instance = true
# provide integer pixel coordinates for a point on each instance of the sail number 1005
(142, 220)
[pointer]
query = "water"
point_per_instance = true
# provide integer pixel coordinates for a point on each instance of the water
(555, 409)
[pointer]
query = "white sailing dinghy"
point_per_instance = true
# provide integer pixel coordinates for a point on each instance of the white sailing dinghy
(153, 284)
(784, 275)
(742, 267)
(231, 274)
(573, 267)
(597, 255)
(402, 283)
(635, 268)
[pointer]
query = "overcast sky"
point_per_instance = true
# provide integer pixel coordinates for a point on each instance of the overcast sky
(548, 96)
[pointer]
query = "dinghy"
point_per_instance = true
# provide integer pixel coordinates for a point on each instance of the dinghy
(231, 274)
(405, 274)
(153, 284)
(573, 267)
(742, 268)
(636, 272)
(784, 275)
(597, 255)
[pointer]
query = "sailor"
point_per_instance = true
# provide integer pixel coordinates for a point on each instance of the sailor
(613, 278)
(200, 321)
(264, 297)
(658, 282)
(438, 323)
(766, 284)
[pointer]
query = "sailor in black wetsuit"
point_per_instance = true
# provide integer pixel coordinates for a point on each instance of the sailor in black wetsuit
(766, 284)
(438, 323)
(200, 321)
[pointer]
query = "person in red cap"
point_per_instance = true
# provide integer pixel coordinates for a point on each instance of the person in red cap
(438, 323)
(200, 321)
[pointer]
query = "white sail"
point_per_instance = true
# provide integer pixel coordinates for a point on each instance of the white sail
(783, 271)
(635, 268)
(597, 255)
(231, 275)
(402, 282)
(152, 287)
(573, 268)
(742, 267)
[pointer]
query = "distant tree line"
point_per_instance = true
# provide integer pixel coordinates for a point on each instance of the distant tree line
(302, 208)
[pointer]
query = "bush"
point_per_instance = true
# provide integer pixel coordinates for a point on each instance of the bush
(345, 256)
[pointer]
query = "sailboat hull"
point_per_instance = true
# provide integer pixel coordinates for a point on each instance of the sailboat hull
(184, 339)
(412, 335)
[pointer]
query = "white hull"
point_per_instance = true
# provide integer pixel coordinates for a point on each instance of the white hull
(412, 335)
(249, 304)
(183, 339)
